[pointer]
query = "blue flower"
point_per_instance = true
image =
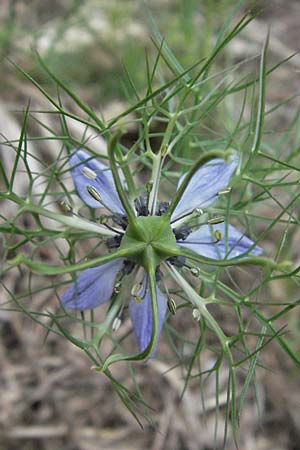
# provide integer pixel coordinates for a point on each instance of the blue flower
(95, 185)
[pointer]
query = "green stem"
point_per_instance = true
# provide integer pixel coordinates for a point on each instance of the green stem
(189, 254)
(150, 269)
(158, 161)
(156, 169)
(46, 269)
(127, 174)
(113, 166)
(71, 221)
(199, 303)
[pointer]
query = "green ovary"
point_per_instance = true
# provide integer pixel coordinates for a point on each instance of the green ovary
(154, 232)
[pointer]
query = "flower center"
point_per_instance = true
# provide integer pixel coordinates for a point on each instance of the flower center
(153, 231)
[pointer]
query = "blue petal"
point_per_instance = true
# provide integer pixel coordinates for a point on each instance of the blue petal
(141, 316)
(87, 171)
(93, 287)
(204, 186)
(204, 242)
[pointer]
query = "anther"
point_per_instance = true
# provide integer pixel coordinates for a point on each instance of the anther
(195, 272)
(116, 324)
(64, 207)
(177, 261)
(136, 292)
(95, 194)
(103, 220)
(158, 275)
(224, 191)
(171, 305)
(189, 215)
(117, 287)
(218, 235)
(182, 233)
(149, 186)
(120, 220)
(162, 208)
(89, 173)
(138, 287)
(215, 220)
(128, 267)
(196, 315)
(198, 211)
(114, 242)
(141, 207)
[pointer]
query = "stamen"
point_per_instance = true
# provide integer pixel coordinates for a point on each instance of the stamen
(200, 242)
(189, 215)
(162, 208)
(141, 207)
(95, 194)
(149, 186)
(116, 324)
(177, 261)
(137, 289)
(89, 173)
(104, 219)
(171, 305)
(114, 242)
(218, 235)
(136, 292)
(158, 274)
(128, 266)
(196, 315)
(224, 191)
(215, 220)
(120, 220)
(65, 207)
(195, 271)
(117, 288)
(182, 233)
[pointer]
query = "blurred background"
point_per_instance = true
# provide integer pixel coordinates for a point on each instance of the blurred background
(50, 399)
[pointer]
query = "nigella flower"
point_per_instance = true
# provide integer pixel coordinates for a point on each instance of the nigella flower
(213, 239)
